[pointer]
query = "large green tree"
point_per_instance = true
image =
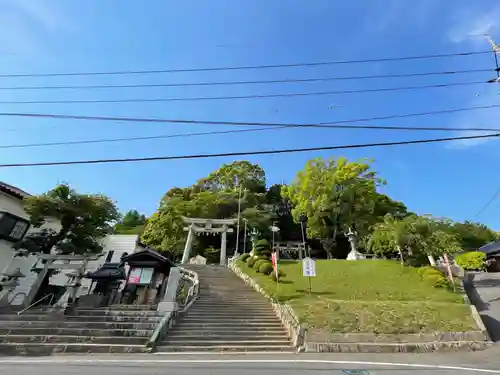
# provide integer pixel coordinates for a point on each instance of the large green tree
(393, 235)
(80, 221)
(334, 195)
(213, 197)
(132, 223)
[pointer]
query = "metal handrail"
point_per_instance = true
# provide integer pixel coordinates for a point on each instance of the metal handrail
(15, 295)
(51, 295)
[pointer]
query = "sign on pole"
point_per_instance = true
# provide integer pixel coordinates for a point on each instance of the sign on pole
(308, 267)
(448, 267)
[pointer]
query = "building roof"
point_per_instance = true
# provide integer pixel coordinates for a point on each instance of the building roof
(491, 248)
(108, 271)
(13, 191)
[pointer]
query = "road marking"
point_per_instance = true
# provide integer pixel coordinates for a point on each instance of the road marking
(232, 361)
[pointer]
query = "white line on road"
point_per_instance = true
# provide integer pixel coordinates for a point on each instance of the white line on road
(232, 361)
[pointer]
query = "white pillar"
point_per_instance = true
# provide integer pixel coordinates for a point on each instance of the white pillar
(223, 244)
(187, 248)
(168, 302)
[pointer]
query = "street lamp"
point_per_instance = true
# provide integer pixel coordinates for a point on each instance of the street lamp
(275, 229)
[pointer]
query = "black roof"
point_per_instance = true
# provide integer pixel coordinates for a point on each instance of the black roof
(491, 248)
(108, 271)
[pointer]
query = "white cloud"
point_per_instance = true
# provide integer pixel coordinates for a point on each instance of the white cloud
(398, 15)
(25, 25)
(471, 24)
(485, 118)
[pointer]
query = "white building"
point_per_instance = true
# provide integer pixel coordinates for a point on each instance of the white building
(14, 225)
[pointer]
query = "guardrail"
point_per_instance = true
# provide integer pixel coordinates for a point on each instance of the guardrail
(187, 292)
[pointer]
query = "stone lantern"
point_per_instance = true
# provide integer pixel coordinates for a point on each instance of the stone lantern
(354, 253)
(9, 282)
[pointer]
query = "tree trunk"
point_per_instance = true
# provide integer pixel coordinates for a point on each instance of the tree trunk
(328, 245)
(55, 239)
(398, 248)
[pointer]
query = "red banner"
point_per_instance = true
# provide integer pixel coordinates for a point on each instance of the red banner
(274, 259)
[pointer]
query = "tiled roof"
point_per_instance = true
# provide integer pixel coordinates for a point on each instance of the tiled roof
(491, 248)
(13, 191)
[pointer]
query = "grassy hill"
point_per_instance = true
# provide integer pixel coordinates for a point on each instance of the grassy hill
(367, 296)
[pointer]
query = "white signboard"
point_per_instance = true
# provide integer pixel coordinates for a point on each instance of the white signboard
(308, 267)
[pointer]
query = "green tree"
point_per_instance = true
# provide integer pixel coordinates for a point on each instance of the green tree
(393, 235)
(231, 176)
(213, 197)
(132, 223)
(83, 220)
(334, 195)
(474, 235)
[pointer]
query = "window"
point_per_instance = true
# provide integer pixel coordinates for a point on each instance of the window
(12, 227)
(19, 230)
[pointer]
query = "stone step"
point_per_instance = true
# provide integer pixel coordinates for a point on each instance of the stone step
(204, 342)
(76, 332)
(227, 319)
(59, 318)
(229, 325)
(225, 348)
(78, 324)
(60, 339)
(133, 313)
(230, 303)
(133, 307)
(38, 349)
(226, 336)
(230, 314)
(188, 328)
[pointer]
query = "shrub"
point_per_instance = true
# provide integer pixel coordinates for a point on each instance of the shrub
(437, 281)
(266, 268)
(281, 275)
(244, 257)
(262, 248)
(424, 271)
(258, 263)
(472, 261)
(250, 262)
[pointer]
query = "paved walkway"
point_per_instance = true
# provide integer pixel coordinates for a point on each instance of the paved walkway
(484, 292)
(262, 364)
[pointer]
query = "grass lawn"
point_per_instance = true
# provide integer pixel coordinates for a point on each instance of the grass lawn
(367, 296)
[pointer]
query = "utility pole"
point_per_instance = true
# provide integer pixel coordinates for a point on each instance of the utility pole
(496, 50)
(245, 236)
(236, 253)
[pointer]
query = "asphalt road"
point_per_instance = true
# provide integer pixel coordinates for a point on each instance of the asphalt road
(266, 364)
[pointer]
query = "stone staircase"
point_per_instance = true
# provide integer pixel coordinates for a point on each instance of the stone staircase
(117, 329)
(227, 316)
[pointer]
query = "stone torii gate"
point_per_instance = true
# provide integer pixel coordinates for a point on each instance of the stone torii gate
(198, 226)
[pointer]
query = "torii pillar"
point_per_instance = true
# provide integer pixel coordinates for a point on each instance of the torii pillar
(207, 226)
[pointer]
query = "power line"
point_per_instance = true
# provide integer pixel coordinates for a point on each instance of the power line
(240, 123)
(281, 127)
(246, 153)
(247, 67)
(221, 83)
(129, 139)
(488, 204)
(262, 96)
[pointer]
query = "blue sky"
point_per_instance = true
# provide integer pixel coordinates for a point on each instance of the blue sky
(62, 36)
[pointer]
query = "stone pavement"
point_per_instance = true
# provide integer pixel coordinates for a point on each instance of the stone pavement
(262, 364)
(485, 295)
